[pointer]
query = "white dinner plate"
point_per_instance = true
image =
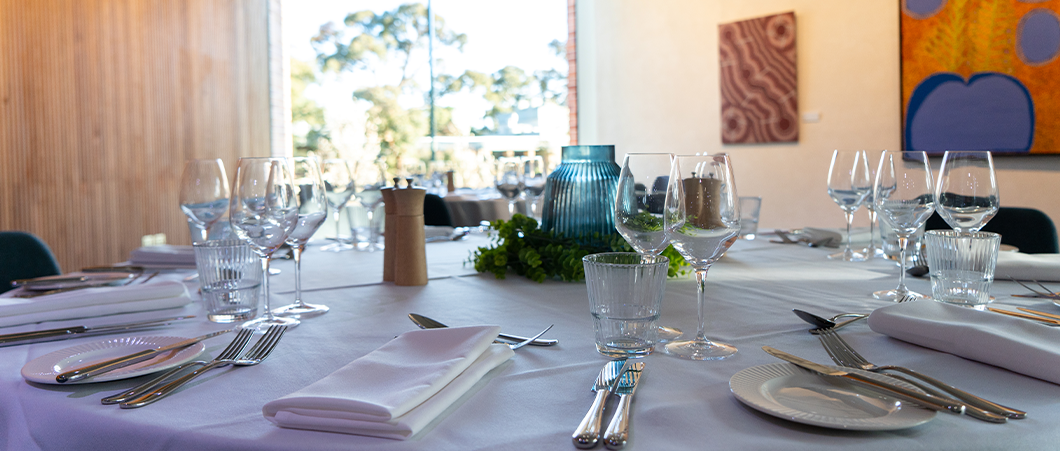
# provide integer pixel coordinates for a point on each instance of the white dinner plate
(43, 369)
(792, 393)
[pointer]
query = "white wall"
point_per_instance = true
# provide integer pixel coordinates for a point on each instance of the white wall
(648, 82)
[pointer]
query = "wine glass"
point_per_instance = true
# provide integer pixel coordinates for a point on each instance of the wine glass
(372, 178)
(338, 188)
(848, 185)
(873, 251)
(904, 198)
(703, 220)
(263, 212)
(534, 182)
(312, 212)
(639, 209)
(203, 195)
(966, 194)
(509, 180)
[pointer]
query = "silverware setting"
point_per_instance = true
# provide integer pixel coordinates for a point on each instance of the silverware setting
(823, 323)
(617, 433)
(842, 354)
(107, 366)
(257, 354)
(427, 323)
(1047, 319)
(1044, 293)
(67, 333)
(587, 435)
(44, 286)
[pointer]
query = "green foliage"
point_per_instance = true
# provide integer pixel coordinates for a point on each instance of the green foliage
(306, 110)
(538, 255)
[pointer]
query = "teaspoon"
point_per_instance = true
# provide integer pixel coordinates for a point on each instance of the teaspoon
(822, 323)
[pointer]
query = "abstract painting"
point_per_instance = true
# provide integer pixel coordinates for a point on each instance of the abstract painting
(980, 75)
(758, 97)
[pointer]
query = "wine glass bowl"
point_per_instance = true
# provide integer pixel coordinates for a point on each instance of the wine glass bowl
(848, 186)
(510, 180)
(338, 188)
(203, 195)
(904, 196)
(703, 219)
(534, 182)
(263, 211)
(966, 195)
(313, 207)
(371, 178)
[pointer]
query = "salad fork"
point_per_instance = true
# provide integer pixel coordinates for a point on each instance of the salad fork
(257, 354)
(842, 354)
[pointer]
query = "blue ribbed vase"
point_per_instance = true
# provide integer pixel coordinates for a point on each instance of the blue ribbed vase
(580, 193)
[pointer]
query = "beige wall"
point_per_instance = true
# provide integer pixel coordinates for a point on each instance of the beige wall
(648, 82)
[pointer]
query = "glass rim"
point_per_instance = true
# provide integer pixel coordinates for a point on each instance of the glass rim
(215, 244)
(950, 233)
(594, 259)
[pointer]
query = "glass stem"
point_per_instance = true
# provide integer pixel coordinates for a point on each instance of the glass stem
(701, 295)
(511, 208)
(903, 242)
(850, 222)
(265, 284)
(297, 253)
(872, 229)
(338, 224)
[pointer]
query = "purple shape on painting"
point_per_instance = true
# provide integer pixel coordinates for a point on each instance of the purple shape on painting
(991, 111)
(1038, 36)
(922, 9)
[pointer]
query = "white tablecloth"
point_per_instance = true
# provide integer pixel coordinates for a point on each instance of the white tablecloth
(535, 401)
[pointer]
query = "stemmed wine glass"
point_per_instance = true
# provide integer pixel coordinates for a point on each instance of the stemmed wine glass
(639, 209)
(534, 182)
(338, 187)
(703, 219)
(372, 177)
(263, 212)
(966, 194)
(873, 251)
(904, 198)
(312, 212)
(510, 180)
(848, 185)
(203, 194)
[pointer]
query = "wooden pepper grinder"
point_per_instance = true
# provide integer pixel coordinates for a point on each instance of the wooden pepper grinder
(410, 254)
(389, 235)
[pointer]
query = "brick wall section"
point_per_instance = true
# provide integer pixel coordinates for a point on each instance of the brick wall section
(572, 72)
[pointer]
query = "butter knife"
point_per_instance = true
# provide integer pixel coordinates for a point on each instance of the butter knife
(427, 323)
(618, 431)
(66, 333)
(96, 369)
(588, 432)
(889, 389)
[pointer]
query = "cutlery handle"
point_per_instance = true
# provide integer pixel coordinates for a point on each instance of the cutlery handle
(618, 431)
(518, 339)
(972, 411)
(588, 432)
(905, 394)
(962, 395)
(148, 386)
(103, 367)
(165, 390)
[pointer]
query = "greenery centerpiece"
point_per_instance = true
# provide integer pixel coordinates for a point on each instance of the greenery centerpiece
(527, 250)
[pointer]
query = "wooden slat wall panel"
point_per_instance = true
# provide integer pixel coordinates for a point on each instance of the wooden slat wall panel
(102, 101)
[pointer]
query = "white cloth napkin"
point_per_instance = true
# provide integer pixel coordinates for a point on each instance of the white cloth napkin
(1015, 344)
(166, 254)
(91, 302)
(821, 237)
(1020, 266)
(396, 390)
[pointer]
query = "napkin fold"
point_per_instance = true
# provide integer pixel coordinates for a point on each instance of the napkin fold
(165, 254)
(1015, 344)
(1020, 266)
(820, 237)
(396, 390)
(91, 302)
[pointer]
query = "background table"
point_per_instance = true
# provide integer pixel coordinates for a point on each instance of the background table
(534, 401)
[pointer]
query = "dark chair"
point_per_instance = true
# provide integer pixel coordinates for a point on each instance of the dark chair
(435, 212)
(1028, 229)
(24, 256)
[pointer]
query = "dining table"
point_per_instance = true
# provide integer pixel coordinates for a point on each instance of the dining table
(535, 400)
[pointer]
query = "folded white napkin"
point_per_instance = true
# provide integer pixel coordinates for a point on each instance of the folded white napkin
(437, 232)
(821, 237)
(91, 302)
(166, 254)
(1020, 266)
(1015, 344)
(396, 390)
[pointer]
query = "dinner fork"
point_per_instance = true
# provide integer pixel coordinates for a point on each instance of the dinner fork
(842, 354)
(1048, 294)
(515, 346)
(232, 351)
(257, 354)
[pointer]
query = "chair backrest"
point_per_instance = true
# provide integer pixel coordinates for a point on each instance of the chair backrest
(24, 256)
(1026, 228)
(435, 212)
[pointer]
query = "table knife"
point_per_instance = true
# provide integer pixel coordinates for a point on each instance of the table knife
(588, 432)
(618, 431)
(96, 369)
(890, 389)
(66, 333)
(426, 323)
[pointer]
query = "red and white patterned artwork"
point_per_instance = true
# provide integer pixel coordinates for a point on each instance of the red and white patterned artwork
(759, 102)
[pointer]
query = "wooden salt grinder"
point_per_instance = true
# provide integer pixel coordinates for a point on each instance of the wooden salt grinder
(389, 235)
(410, 255)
